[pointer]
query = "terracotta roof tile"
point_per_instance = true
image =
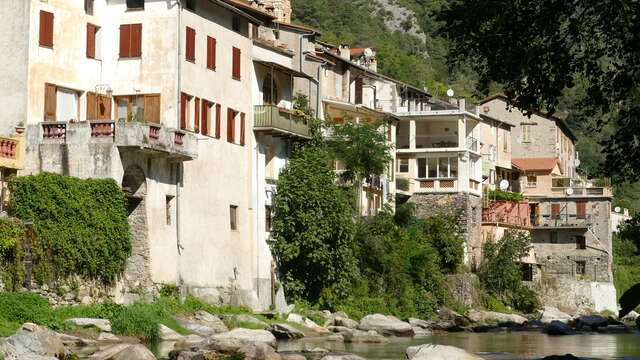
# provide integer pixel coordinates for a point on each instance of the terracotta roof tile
(535, 163)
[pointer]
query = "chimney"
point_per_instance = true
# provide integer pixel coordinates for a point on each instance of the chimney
(344, 52)
(462, 104)
(279, 8)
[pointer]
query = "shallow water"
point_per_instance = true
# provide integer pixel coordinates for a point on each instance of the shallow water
(515, 345)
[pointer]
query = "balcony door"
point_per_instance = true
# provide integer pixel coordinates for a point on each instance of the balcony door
(270, 94)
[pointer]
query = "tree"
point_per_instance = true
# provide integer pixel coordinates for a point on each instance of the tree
(312, 228)
(538, 49)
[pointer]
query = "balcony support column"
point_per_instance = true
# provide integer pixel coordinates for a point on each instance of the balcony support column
(462, 132)
(412, 134)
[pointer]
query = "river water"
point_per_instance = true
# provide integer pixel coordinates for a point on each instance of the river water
(514, 345)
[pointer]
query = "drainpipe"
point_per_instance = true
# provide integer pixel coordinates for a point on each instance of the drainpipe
(179, 165)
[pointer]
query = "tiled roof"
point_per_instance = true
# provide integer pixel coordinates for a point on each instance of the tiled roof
(247, 7)
(296, 26)
(535, 163)
(358, 51)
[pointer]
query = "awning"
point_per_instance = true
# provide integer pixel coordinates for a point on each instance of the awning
(283, 69)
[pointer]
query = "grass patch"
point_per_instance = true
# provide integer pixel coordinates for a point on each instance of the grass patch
(8, 328)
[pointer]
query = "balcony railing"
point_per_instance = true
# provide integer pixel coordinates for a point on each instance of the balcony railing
(54, 130)
(102, 129)
(581, 191)
(561, 220)
(8, 148)
(507, 212)
(272, 118)
(472, 143)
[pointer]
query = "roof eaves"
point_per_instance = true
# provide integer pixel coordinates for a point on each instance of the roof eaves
(243, 9)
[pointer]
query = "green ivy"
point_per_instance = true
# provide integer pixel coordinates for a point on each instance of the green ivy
(12, 233)
(80, 225)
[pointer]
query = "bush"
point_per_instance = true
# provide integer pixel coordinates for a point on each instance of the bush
(500, 195)
(141, 320)
(25, 307)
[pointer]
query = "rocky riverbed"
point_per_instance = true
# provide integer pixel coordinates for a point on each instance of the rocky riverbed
(210, 338)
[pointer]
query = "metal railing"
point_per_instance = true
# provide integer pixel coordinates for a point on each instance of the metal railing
(561, 220)
(472, 143)
(273, 117)
(581, 191)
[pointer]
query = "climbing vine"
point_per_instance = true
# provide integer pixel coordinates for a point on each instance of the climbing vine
(79, 226)
(11, 234)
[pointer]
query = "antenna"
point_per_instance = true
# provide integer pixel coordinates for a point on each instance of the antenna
(569, 191)
(368, 53)
(617, 209)
(450, 93)
(504, 185)
(577, 162)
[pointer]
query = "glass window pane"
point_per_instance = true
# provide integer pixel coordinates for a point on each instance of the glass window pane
(433, 167)
(443, 168)
(122, 109)
(138, 107)
(422, 167)
(453, 167)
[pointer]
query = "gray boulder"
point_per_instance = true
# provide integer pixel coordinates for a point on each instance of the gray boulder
(100, 324)
(243, 318)
(134, 352)
(32, 339)
(166, 334)
(549, 314)
(342, 357)
(385, 325)
(248, 334)
(302, 320)
(419, 332)
(589, 322)
(259, 351)
(108, 352)
(188, 341)
(438, 352)
(211, 321)
(284, 331)
(292, 357)
(420, 323)
(482, 317)
(7, 351)
(364, 337)
(338, 319)
(557, 327)
(630, 317)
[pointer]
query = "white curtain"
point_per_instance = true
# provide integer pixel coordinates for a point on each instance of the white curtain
(67, 105)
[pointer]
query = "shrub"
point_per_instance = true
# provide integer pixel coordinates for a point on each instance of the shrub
(25, 307)
(500, 195)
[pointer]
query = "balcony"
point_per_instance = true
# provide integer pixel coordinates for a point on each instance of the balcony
(12, 152)
(561, 221)
(581, 191)
(279, 122)
(509, 213)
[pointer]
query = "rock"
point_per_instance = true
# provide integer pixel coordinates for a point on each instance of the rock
(335, 337)
(364, 337)
(487, 329)
(630, 317)
(320, 330)
(32, 339)
(589, 322)
(302, 320)
(448, 315)
(614, 329)
(550, 314)
(70, 340)
(419, 332)
(292, 357)
(323, 314)
(166, 334)
(195, 328)
(248, 334)
(339, 329)
(247, 319)
(438, 352)
(259, 351)
(561, 357)
(86, 300)
(284, 331)
(420, 323)
(222, 345)
(7, 351)
(109, 352)
(530, 325)
(385, 325)
(211, 321)
(108, 337)
(319, 350)
(342, 357)
(557, 327)
(134, 352)
(340, 319)
(100, 324)
(188, 341)
(483, 317)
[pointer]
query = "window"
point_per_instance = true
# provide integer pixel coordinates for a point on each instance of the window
(492, 153)
(135, 4)
(191, 5)
(422, 168)
(88, 7)
(270, 91)
(185, 111)
(403, 165)
(532, 181)
(46, 28)
(358, 88)
(505, 140)
(130, 40)
(236, 64)
(168, 208)
(205, 117)
(231, 119)
(93, 41)
(526, 133)
(235, 23)
(581, 268)
(211, 53)
(98, 107)
(527, 272)
(60, 104)
(139, 108)
(233, 216)
(555, 211)
(190, 44)
(443, 167)
(267, 219)
(581, 242)
(553, 237)
(581, 209)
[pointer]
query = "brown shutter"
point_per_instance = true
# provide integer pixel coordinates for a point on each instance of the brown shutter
(211, 53)
(358, 95)
(196, 118)
(46, 28)
(218, 115)
(125, 40)
(92, 106)
(152, 108)
(91, 41)
(49, 102)
(555, 211)
(183, 111)
(581, 209)
(104, 107)
(236, 64)
(136, 40)
(230, 116)
(204, 117)
(191, 44)
(242, 129)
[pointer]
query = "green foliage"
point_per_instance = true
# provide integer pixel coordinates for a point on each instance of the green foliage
(626, 261)
(501, 275)
(24, 307)
(313, 230)
(493, 304)
(500, 195)
(80, 225)
(141, 320)
(170, 291)
(12, 234)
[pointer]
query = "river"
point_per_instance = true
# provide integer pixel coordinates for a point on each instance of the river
(514, 345)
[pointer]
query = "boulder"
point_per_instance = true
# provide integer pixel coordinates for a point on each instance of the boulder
(247, 319)
(550, 314)
(630, 317)
(487, 329)
(248, 334)
(32, 339)
(211, 321)
(385, 325)
(70, 340)
(134, 352)
(530, 325)
(420, 323)
(194, 327)
(342, 357)
(292, 357)
(302, 320)
(7, 351)
(589, 322)
(334, 337)
(106, 337)
(483, 317)
(438, 352)
(419, 332)
(561, 357)
(109, 352)
(614, 329)
(100, 324)
(188, 341)
(166, 334)
(340, 319)
(323, 314)
(284, 331)
(259, 351)
(557, 327)
(223, 345)
(364, 337)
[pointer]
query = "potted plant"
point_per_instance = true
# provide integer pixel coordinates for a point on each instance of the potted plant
(20, 128)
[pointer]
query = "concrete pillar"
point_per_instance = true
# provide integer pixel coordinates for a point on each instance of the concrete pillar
(462, 132)
(412, 134)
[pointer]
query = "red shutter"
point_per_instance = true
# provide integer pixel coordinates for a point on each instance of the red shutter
(581, 210)
(230, 129)
(218, 114)
(183, 111)
(46, 28)
(242, 129)
(196, 118)
(91, 41)
(204, 117)
(191, 44)
(125, 41)
(236, 64)
(211, 53)
(136, 40)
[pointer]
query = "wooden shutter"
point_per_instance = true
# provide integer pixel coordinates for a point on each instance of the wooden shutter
(91, 41)
(230, 129)
(555, 211)
(196, 118)
(92, 106)
(46, 28)
(211, 52)
(152, 108)
(242, 129)
(191, 44)
(136, 40)
(236, 64)
(104, 107)
(218, 115)
(581, 209)
(204, 117)
(125, 40)
(358, 95)
(183, 111)
(49, 102)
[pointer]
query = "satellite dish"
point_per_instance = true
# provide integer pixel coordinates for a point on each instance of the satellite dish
(617, 209)
(368, 53)
(569, 191)
(450, 93)
(504, 185)
(577, 162)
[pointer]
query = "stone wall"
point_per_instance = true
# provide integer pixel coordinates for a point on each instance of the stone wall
(468, 210)
(465, 288)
